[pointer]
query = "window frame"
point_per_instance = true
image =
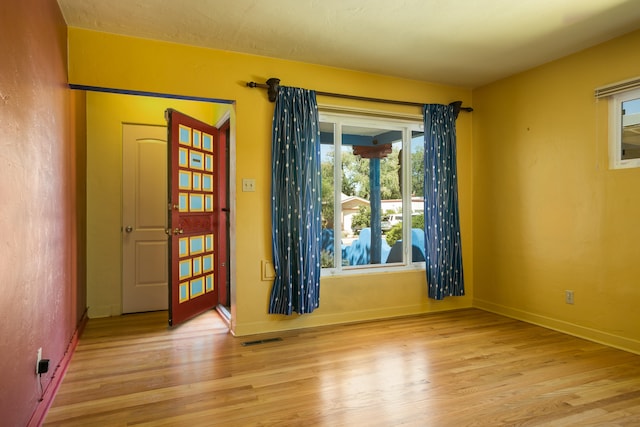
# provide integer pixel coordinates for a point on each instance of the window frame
(615, 130)
(407, 124)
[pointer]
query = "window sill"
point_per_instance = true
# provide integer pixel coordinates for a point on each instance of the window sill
(372, 269)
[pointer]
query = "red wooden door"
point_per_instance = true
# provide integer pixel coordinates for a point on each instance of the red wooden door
(223, 273)
(194, 215)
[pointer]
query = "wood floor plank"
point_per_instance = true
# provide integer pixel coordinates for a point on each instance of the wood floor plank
(459, 368)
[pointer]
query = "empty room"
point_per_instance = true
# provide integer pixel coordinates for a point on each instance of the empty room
(295, 212)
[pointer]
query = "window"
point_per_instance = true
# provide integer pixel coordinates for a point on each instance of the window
(624, 141)
(372, 185)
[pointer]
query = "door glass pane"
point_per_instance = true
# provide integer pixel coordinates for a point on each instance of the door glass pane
(631, 129)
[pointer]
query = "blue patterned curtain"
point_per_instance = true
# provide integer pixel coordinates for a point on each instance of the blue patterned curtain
(443, 250)
(296, 202)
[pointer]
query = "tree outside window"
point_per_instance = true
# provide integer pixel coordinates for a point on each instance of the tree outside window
(371, 168)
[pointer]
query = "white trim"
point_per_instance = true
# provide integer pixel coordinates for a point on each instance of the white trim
(618, 87)
(595, 335)
(374, 268)
(225, 117)
(615, 130)
(343, 317)
(337, 196)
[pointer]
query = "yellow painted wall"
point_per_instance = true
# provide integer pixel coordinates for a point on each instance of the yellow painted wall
(105, 114)
(549, 215)
(105, 60)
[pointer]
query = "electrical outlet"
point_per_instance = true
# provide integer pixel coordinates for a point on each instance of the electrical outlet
(38, 359)
(248, 184)
(568, 297)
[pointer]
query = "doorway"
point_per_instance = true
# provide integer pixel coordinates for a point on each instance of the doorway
(106, 113)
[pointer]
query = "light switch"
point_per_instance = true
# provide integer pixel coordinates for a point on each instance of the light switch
(268, 273)
(248, 184)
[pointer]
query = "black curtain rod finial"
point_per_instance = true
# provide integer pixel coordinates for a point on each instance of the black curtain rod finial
(457, 107)
(274, 87)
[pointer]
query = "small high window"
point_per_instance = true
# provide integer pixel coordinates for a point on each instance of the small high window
(624, 127)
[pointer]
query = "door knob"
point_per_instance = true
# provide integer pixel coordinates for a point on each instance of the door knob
(178, 230)
(128, 229)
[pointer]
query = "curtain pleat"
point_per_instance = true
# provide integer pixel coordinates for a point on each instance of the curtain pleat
(296, 202)
(443, 250)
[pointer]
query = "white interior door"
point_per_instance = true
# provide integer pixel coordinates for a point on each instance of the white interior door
(144, 218)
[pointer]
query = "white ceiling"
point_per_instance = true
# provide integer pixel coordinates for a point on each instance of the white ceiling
(465, 43)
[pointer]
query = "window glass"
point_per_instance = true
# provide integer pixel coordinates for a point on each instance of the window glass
(624, 125)
(630, 148)
(327, 167)
(365, 204)
(417, 196)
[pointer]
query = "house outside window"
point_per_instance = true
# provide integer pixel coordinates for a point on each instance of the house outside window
(372, 185)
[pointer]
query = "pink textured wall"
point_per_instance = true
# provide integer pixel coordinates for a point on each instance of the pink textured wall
(42, 289)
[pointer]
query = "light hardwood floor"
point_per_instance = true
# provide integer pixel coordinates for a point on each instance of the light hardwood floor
(461, 368)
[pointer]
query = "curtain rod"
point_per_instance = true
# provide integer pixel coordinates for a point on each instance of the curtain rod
(273, 85)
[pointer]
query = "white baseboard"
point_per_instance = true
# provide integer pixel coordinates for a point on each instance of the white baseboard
(282, 323)
(579, 331)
